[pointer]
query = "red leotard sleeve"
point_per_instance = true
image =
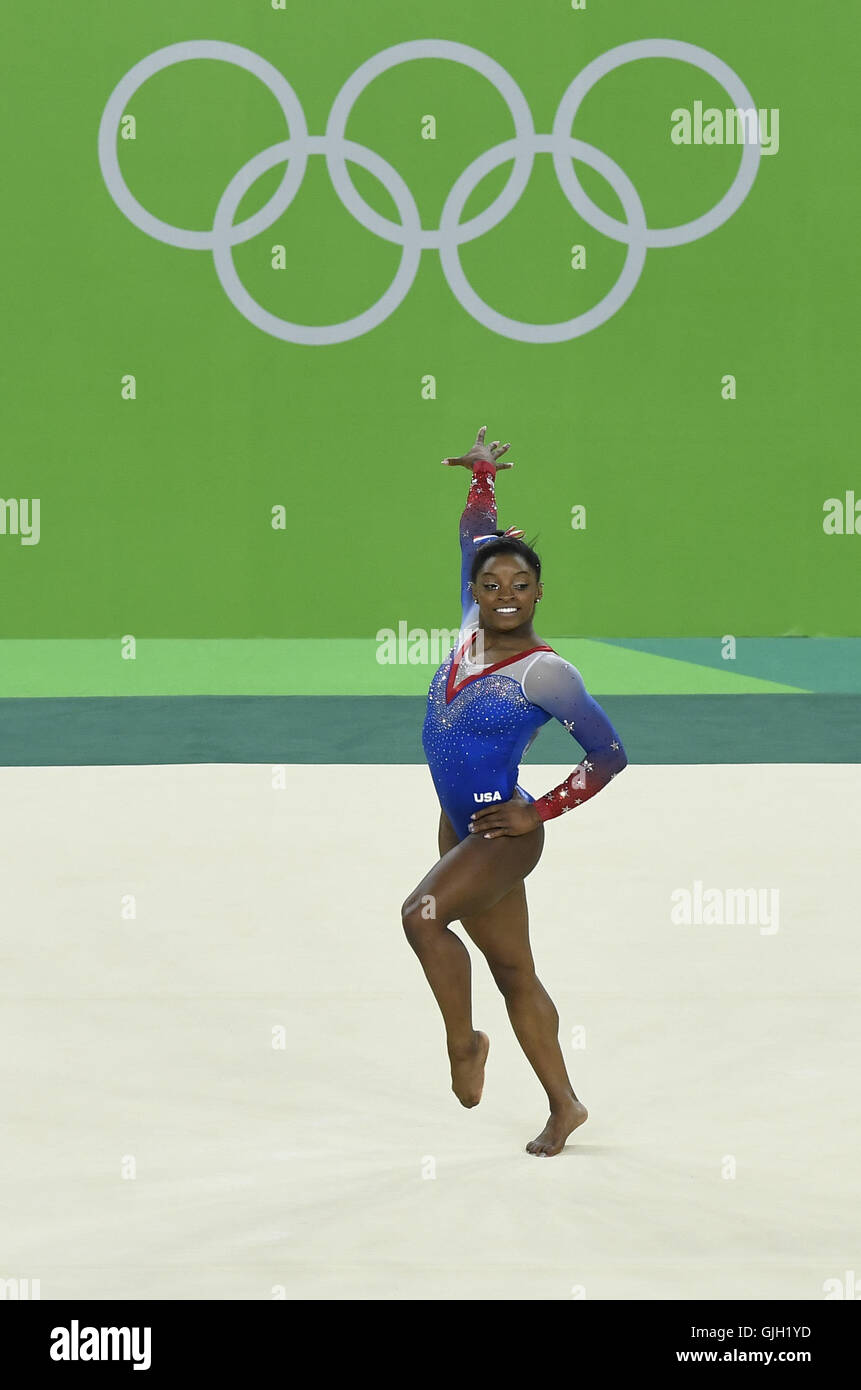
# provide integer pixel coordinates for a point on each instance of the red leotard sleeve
(477, 519)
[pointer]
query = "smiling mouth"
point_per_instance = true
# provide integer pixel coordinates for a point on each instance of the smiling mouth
(506, 610)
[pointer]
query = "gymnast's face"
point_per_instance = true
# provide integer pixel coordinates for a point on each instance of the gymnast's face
(506, 590)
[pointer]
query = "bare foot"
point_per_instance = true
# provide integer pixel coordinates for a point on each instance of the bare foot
(467, 1070)
(564, 1119)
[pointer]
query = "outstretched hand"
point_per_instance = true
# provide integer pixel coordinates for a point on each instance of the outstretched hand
(481, 453)
(514, 817)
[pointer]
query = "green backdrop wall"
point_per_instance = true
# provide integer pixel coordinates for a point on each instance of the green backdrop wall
(703, 514)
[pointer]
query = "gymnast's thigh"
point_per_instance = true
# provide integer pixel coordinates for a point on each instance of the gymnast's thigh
(501, 933)
(474, 873)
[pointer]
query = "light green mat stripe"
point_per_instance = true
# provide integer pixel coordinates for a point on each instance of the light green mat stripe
(321, 666)
(829, 665)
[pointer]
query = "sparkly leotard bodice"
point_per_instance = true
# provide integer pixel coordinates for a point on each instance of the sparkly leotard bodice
(481, 718)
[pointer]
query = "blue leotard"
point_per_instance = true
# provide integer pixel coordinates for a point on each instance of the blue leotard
(481, 719)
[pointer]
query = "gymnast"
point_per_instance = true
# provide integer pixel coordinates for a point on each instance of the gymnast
(486, 703)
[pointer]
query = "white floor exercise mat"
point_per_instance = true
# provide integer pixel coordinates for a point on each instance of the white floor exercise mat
(224, 1074)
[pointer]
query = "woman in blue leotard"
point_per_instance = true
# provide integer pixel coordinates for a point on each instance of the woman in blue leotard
(485, 705)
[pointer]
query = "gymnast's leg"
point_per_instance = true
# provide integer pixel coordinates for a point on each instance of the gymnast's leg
(502, 935)
(469, 878)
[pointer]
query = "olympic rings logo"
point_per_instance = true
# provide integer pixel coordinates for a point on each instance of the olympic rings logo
(409, 234)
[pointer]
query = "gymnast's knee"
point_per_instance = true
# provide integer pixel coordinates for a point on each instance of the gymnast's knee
(420, 916)
(513, 978)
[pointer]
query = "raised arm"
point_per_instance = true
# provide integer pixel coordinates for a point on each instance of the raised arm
(478, 517)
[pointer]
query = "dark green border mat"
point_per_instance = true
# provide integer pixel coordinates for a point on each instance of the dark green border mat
(387, 729)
